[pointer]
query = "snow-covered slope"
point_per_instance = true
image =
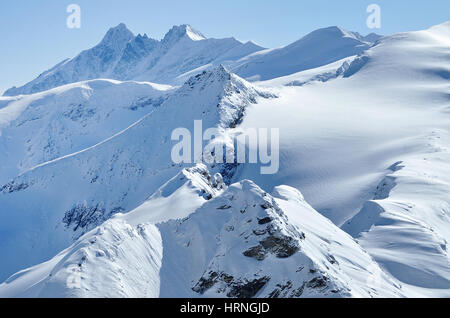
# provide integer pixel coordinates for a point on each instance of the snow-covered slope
(54, 202)
(184, 52)
(122, 257)
(341, 139)
(248, 243)
(44, 126)
(90, 64)
(318, 74)
(242, 243)
(123, 56)
(406, 226)
(316, 49)
(365, 138)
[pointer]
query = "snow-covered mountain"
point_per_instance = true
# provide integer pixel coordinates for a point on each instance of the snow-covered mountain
(92, 204)
(184, 52)
(45, 126)
(111, 176)
(123, 56)
(227, 242)
(369, 150)
(316, 49)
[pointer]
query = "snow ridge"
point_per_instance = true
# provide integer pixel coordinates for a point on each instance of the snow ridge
(93, 206)
(113, 176)
(123, 56)
(135, 255)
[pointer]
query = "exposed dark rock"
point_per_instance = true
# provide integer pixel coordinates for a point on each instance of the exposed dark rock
(282, 247)
(13, 187)
(267, 205)
(144, 102)
(228, 170)
(79, 112)
(259, 232)
(226, 278)
(265, 220)
(332, 259)
(82, 216)
(224, 207)
(317, 282)
(281, 290)
(206, 282)
(275, 293)
(247, 289)
(298, 292)
(229, 228)
(256, 252)
(237, 288)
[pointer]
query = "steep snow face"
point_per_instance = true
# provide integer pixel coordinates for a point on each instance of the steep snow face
(123, 56)
(241, 243)
(316, 49)
(38, 128)
(340, 139)
(246, 243)
(320, 74)
(97, 62)
(115, 175)
(114, 260)
(122, 257)
(181, 31)
(179, 197)
(181, 54)
(184, 52)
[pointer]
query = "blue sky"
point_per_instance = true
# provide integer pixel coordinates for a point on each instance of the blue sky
(34, 36)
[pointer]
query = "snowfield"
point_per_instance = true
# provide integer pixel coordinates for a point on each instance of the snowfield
(91, 204)
(45, 126)
(241, 243)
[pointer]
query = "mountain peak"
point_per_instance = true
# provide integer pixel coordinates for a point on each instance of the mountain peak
(118, 34)
(372, 37)
(184, 30)
(338, 32)
(333, 31)
(218, 74)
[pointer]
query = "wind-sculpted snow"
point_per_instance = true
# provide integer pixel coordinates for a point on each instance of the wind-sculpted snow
(87, 172)
(316, 49)
(320, 74)
(238, 242)
(122, 257)
(374, 144)
(248, 243)
(47, 207)
(407, 228)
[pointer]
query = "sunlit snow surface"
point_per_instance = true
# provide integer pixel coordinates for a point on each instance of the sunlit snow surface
(364, 210)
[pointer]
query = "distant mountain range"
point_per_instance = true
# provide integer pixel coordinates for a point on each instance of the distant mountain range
(183, 52)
